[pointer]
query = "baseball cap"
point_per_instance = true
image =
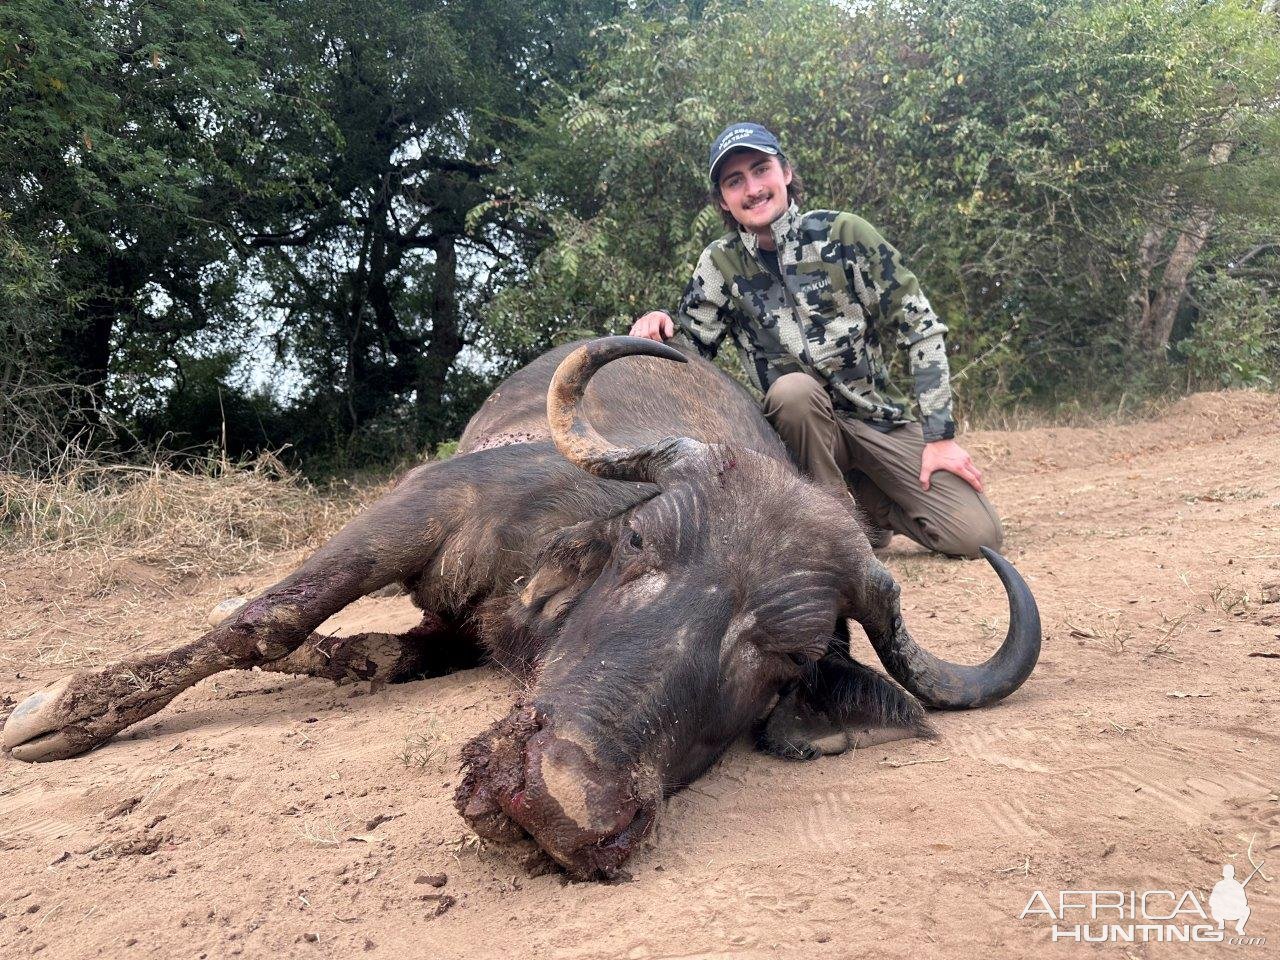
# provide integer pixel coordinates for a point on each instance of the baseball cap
(749, 135)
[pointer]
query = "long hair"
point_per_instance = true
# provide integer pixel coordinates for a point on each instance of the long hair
(795, 193)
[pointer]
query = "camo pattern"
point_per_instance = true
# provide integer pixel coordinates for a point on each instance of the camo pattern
(841, 284)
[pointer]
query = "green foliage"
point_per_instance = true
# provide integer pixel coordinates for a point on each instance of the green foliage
(408, 198)
(1235, 340)
(1015, 152)
(445, 449)
(133, 133)
(374, 275)
(197, 172)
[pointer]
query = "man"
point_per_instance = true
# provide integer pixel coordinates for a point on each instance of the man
(808, 299)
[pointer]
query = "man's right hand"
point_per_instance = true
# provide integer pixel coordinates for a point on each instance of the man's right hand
(654, 325)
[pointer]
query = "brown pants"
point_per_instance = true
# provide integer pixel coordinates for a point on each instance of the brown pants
(881, 469)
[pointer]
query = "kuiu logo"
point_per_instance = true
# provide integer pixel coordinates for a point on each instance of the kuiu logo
(1142, 916)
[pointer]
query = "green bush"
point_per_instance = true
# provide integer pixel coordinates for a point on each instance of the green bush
(1235, 339)
(1017, 153)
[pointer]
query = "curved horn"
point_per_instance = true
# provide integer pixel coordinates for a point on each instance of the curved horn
(943, 685)
(578, 441)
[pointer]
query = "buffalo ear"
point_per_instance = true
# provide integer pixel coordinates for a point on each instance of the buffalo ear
(837, 704)
(568, 563)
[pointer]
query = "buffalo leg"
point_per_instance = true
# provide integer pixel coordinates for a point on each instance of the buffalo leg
(431, 649)
(394, 539)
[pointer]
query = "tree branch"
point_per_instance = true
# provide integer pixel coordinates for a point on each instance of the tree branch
(1260, 248)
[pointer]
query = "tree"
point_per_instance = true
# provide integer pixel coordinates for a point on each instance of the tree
(413, 196)
(375, 272)
(1015, 152)
(193, 170)
(126, 145)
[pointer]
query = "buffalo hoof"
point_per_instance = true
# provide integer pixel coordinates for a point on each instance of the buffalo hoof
(797, 730)
(45, 726)
(810, 744)
(87, 709)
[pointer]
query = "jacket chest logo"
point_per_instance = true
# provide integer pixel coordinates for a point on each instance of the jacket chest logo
(815, 285)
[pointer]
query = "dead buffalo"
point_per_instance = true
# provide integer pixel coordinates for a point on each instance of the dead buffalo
(629, 535)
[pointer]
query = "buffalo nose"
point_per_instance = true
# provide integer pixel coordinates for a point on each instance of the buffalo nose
(586, 814)
(563, 782)
(528, 775)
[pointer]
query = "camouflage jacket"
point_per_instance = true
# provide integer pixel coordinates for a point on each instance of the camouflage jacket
(841, 282)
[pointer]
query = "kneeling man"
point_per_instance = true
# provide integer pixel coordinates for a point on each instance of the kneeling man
(808, 298)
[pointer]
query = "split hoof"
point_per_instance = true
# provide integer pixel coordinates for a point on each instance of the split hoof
(43, 727)
(833, 742)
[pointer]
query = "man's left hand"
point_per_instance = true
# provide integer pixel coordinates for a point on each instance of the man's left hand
(950, 456)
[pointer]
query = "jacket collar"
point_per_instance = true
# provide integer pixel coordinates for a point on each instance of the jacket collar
(784, 231)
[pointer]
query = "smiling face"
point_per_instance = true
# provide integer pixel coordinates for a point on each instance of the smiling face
(753, 188)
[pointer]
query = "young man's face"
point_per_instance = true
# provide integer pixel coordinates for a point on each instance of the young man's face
(753, 188)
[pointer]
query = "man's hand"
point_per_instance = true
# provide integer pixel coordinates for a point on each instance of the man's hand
(950, 456)
(655, 325)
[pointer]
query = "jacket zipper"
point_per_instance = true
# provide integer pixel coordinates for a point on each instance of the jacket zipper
(786, 293)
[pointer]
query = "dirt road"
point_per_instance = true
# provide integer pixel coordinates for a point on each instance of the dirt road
(263, 815)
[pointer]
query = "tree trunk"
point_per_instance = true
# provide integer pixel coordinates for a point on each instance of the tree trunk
(446, 340)
(1148, 258)
(84, 347)
(1158, 321)
(86, 342)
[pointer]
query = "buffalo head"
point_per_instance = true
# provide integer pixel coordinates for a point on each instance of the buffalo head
(664, 633)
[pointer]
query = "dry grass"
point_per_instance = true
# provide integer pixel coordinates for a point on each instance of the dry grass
(91, 548)
(1087, 412)
(212, 516)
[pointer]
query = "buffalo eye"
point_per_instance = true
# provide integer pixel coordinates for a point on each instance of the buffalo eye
(635, 540)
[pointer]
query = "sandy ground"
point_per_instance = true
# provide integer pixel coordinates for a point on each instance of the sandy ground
(263, 815)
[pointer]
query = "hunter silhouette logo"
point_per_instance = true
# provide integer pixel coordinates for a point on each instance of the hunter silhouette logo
(1228, 900)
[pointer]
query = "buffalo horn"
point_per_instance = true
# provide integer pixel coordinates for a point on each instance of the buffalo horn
(952, 686)
(579, 442)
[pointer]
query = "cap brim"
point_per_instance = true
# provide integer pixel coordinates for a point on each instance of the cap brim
(737, 146)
